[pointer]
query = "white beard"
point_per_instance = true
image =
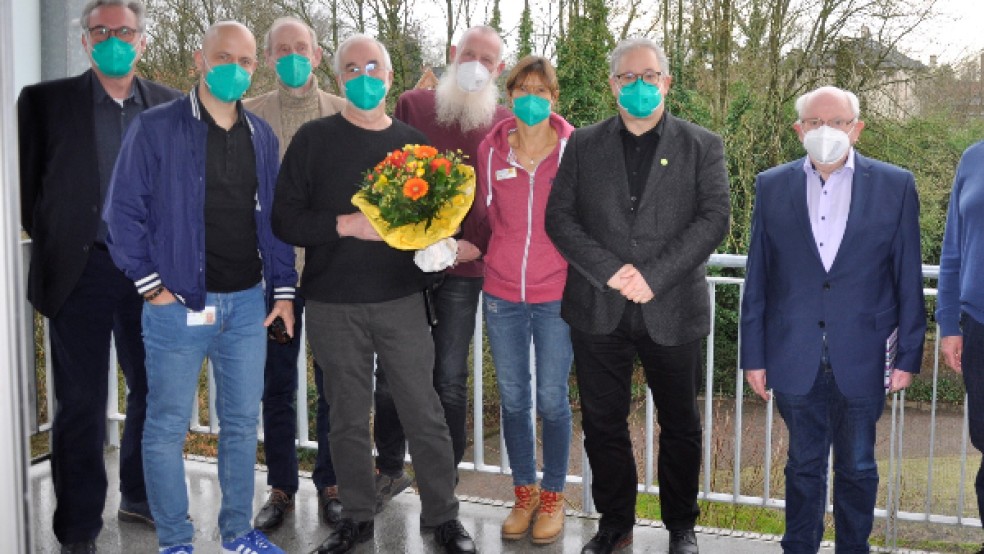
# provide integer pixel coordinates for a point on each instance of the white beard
(469, 110)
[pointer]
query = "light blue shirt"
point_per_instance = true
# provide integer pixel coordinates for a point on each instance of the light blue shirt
(829, 204)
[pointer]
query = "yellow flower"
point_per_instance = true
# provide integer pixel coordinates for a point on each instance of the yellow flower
(420, 172)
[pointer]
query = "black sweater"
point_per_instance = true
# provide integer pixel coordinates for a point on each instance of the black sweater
(321, 171)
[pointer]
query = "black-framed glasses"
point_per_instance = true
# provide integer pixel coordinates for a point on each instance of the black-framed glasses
(627, 78)
(100, 33)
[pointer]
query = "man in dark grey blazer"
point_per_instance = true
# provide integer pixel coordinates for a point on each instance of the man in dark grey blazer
(69, 134)
(639, 203)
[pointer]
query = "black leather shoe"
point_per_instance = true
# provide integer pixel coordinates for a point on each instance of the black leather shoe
(453, 538)
(272, 513)
(330, 506)
(607, 541)
(346, 536)
(86, 547)
(683, 541)
(135, 512)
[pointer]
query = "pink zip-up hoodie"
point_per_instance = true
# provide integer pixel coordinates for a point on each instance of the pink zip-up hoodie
(521, 263)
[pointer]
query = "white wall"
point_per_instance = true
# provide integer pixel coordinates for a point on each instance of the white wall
(14, 521)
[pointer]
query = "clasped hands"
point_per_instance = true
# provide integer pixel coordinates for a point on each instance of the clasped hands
(629, 282)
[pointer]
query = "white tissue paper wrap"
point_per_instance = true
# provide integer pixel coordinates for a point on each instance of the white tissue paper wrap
(438, 256)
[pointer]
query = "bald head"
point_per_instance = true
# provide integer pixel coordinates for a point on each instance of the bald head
(227, 42)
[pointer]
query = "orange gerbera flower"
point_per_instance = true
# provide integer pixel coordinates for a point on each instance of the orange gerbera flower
(424, 151)
(438, 163)
(415, 188)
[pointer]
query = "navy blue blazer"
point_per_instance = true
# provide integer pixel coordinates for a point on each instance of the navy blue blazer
(874, 284)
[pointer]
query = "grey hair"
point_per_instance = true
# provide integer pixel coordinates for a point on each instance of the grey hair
(268, 46)
(484, 30)
(852, 100)
(135, 6)
(626, 45)
(337, 58)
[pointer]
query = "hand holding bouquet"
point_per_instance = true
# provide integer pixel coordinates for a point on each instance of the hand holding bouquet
(416, 196)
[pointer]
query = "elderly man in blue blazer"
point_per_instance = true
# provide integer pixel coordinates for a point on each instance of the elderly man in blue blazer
(639, 203)
(832, 314)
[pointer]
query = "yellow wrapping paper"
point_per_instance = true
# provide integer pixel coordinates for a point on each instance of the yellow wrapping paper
(416, 236)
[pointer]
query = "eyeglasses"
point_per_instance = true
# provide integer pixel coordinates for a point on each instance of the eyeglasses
(355, 71)
(812, 123)
(100, 33)
(627, 78)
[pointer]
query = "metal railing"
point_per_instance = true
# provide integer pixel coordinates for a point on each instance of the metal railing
(890, 506)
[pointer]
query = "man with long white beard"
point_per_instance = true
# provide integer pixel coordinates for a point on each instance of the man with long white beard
(455, 116)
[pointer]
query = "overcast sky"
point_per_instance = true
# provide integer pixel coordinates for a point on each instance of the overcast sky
(954, 34)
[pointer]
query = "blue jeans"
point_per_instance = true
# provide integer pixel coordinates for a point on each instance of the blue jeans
(972, 363)
(821, 418)
(455, 301)
(280, 415)
(236, 345)
(510, 327)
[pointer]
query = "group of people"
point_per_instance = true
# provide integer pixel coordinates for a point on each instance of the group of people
(179, 224)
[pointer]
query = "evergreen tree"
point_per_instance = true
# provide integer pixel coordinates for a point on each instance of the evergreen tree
(582, 65)
(525, 33)
(496, 21)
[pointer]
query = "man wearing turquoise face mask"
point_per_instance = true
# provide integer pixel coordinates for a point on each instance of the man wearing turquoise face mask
(189, 217)
(70, 132)
(364, 298)
(639, 203)
(291, 49)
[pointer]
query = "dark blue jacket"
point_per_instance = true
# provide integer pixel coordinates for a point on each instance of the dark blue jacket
(155, 207)
(874, 284)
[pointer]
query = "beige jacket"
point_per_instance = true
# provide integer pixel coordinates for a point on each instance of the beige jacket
(267, 106)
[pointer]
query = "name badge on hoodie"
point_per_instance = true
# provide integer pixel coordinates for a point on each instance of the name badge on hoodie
(507, 173)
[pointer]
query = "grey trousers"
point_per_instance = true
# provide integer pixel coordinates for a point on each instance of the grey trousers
(344, 338)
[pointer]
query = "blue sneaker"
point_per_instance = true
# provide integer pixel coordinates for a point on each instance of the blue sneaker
(254, 542)
(179, 549)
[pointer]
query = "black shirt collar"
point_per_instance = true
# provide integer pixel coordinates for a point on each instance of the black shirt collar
(207, 117)
(653, 134)
(99, 94)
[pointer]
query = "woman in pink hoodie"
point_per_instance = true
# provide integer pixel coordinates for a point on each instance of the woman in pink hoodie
(524, 282)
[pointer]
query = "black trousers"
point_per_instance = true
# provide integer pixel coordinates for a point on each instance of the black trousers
(604, 365)
(104, 302)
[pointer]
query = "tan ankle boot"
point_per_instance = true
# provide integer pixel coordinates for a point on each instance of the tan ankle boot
(518, 522)
(550, 519)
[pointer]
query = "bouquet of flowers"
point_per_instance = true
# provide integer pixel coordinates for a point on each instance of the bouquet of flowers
(416, 196)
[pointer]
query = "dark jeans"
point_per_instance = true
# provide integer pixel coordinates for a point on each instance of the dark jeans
(821, 418)
(972, 363)
(104, 302)
(456, 301)
(280, 415)
(604, 365)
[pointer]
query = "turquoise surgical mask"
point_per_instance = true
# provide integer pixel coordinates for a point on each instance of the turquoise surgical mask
(640, 98)
(365, 91)
(294, 70)
(227, 82)
(113, 57)
(531, 109)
